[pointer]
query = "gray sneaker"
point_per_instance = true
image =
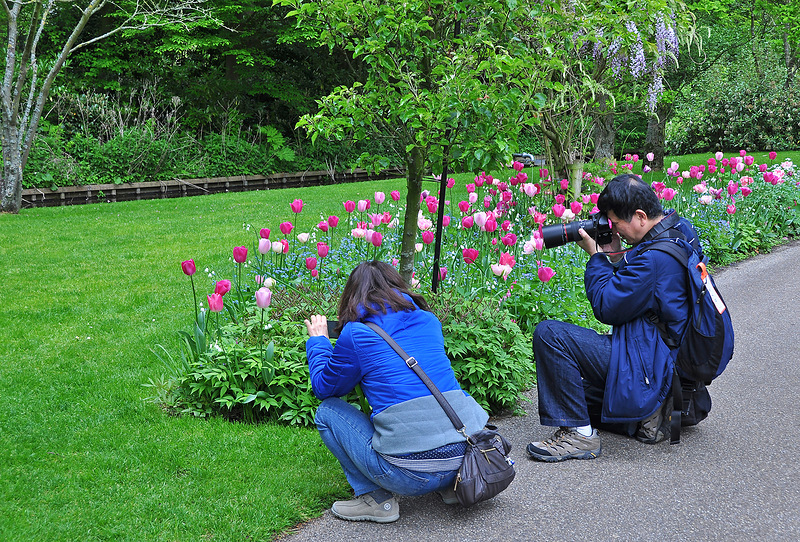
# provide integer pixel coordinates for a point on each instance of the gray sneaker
(364, 508)
(655, 428)
(566, 443)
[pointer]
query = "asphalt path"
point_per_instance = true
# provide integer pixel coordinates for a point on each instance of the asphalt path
(733, 477)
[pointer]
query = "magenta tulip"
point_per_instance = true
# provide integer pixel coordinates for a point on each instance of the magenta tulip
(427, 237)
(467, 222)
(311, 263)
(545, 273)
(264, 233)
(470, 255)
(349, 206)
(222, 287)
(239, 254)
(286, 228)
(215, 303)
(377, 239)
(333, 221)
(773, 155)
(395, 195)
(188, 267)
(297, 206)
(322, 250)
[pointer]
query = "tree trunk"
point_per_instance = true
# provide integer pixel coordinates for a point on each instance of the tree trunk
(656, 135)
(11, 183)
(415, 164)
(575, 177)
(603, 132)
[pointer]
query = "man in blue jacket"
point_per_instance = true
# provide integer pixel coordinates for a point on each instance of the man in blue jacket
(620, 379)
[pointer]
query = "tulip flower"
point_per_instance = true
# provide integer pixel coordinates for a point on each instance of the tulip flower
(277, 247)
(490, 225)
(442, 272)
(395, 195)
(469, 255)
(215, 303)
(333, 221)
(311, 263)
(501, 270)
(418, 247)
(463, 206)
(706, 199)
(362, 205)
(650, 156)
(746, 191)
(576, 207)
(558, 210)
(517, 165)
(240, 254)
(188, 267)
(222, 287)
(264, 233)
(314, 273)
(748, 160)
(473, 198)
(323, 226)
(377, 238)
(263, 246)
(297, 206)
(303, 237)
(322, 250)
(427, 237)
(773, 155)
(285, 245)
(731, 209)
(286, 228)
(467, 222)
(446, 220)
(380, 197)
(263, 297)
(732, 188)
(349, 206)
(545, 273)
(507, 259)
(564, 184)
(509, 239)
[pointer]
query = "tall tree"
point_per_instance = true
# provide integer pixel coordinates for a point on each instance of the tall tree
(445, 82)
(32, 63)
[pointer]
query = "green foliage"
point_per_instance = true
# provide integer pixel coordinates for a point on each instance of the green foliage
(491, 356)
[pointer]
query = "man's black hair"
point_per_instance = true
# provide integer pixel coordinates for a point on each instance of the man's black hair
(627, 192)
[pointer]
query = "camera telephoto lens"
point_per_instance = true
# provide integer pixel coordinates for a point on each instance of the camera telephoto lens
(596, 226)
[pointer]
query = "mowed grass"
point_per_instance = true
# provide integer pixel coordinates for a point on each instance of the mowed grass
(87, 291)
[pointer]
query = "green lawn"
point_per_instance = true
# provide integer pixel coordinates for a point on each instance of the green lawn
(87, 292)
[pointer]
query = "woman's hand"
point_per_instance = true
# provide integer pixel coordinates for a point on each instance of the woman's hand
(317, 326)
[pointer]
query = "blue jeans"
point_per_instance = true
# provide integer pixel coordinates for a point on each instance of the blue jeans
(571, 370)
(347, 432)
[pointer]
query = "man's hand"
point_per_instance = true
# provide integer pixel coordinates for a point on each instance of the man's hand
(318, 326)
(588, 244)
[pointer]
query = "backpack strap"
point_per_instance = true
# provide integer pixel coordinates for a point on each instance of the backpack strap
(679, 253)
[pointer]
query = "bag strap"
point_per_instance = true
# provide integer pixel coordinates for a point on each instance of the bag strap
(414, 366)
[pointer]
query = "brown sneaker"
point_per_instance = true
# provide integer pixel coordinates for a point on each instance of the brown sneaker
(364, 508)
(655, 428)
(566, 443)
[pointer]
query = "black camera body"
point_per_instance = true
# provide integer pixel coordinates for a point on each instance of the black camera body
(596, 226)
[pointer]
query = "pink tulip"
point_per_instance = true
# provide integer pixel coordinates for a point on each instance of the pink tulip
(323, 226)
(222, 287)
(395, 195)
(432, 205)
(446, 220)
(427, 237)
(463, 206)
(773, 155)
(731, 209)
(286, 228)
(349, 206)
(746, 191)
(517, 165)
(215, 303)
(377, 238)
(285, 245)
(501, 270)
(380, 197)
(240, 254)
(322, 250)
(263, 246)
(491, 225)
(545, 273)
(263, 297)
(297, 206)
(732, 188)
(706, 199)
(509, 239)
(558, 210)
(469, 255)
(188, 267)
(742, 152)
(507, 259)
(442, 272)
(748, 160)
(650, 156)
(576, 207)
(467, 222)
(668, 194)
(564, 184)
(561, 199)
(646, 169)
(264, 233)
(311, 263)
(314, 273)
(520, 178)
(333, 221)
(362, 205)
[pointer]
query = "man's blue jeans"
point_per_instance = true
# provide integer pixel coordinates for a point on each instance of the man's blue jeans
(347, 432)
(571, 370)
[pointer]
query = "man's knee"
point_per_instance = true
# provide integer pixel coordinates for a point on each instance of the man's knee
(544, 330)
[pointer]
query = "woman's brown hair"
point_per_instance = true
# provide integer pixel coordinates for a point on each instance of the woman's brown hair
(371, 288)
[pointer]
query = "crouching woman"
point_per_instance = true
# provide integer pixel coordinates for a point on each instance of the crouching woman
(407, 444)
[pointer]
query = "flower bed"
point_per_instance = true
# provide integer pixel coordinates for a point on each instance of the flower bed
(245, 357)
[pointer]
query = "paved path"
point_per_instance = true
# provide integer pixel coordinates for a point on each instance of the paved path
(736, 476)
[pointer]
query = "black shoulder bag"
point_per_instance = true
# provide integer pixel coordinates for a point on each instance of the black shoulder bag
(487, 470)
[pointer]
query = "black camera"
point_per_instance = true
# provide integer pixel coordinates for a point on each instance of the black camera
(596, 226)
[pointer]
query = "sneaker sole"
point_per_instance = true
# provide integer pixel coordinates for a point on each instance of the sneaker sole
(376, 519)
(591, 454)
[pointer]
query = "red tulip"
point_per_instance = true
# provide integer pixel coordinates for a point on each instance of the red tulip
(222, 287)
(215, 302)
(188, 267)
(239, 254)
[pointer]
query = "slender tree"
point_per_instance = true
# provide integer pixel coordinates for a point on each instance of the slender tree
(32, 64)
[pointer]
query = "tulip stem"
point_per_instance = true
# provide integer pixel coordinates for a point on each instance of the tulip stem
(194, 295)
